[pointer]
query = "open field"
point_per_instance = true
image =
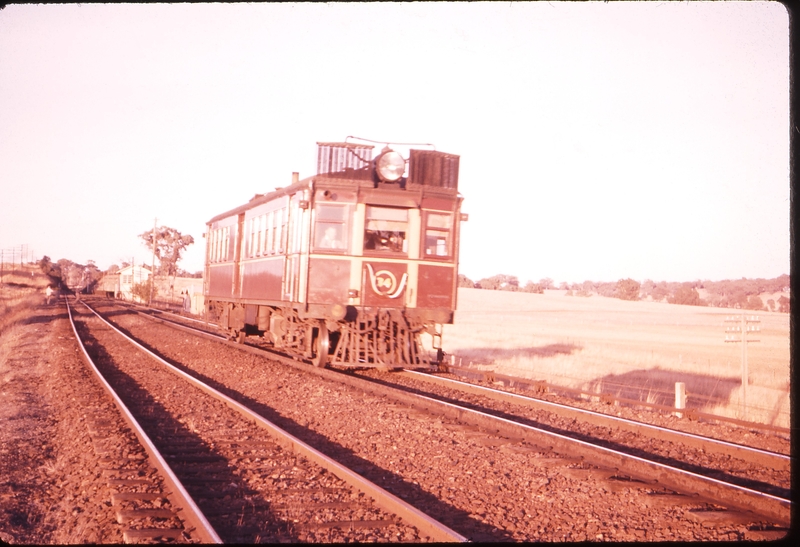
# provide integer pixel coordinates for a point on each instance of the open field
(635, 349)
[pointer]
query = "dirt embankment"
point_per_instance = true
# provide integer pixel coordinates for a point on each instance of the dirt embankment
(50, 490)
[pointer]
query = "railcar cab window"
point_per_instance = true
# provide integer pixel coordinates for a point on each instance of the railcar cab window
(386, 229)
(438, 235)
(331, 230)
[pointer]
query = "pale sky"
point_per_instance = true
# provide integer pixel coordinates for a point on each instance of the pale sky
(598, 141)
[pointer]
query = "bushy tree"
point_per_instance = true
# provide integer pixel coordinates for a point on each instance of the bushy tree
(142, 290)
(738, 299)
(53, 271)
(755, 303)
(627, 289)
(71, 273)
(532, 287)
(184, 273)
(464, 281)
(169, 245)
(783, 304)
(608, 289)
(499, 282)
(659, 292)
(687, 295)
(91, 275)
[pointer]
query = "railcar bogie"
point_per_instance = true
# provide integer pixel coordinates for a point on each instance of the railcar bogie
(348, 267)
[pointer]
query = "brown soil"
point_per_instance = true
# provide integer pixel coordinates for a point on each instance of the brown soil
(51, 487)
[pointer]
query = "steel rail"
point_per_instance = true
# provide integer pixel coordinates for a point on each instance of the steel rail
(648, 471)
(189, 511)
(389, 502)
(691, 413)
(747, 453)
(164, 312)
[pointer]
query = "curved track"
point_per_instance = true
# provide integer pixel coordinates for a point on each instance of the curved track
(197, 524)
(207, 449)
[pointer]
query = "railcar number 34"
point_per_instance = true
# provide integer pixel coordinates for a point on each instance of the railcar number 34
(348, 267)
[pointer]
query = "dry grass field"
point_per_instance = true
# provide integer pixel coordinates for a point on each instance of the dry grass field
(20, 290)
(637, 350)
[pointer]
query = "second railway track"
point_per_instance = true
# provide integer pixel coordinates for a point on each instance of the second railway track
(248, 485)
(492, 515)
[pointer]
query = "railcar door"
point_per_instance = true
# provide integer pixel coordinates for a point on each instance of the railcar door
(238, 249)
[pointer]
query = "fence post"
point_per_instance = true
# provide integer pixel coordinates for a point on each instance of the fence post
(680, 398)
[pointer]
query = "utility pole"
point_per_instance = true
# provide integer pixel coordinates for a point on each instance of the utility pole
(738, 333)
(153, 264)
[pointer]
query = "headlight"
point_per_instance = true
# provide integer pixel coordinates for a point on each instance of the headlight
(390, 166)
(337, 312)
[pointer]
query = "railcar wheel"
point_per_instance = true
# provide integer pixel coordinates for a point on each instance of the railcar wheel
(321, 346)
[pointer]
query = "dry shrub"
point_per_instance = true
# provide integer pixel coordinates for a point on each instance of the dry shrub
(19, 293)
(24, 279)
(16, 309)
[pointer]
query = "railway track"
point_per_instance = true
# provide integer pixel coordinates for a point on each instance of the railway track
(604, 428)
(250, 485)
(729, 499)
(669, 464)
(148, 498)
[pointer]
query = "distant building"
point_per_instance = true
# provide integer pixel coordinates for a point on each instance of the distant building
(120, 284)
(169, 290)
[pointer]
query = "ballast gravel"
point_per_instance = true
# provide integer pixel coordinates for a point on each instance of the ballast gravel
(485, 487)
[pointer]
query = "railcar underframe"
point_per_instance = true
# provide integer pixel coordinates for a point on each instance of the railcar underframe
(384, 338)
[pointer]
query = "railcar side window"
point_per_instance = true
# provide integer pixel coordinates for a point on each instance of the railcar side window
(257, 243)
(438, 230)
(276, 240)
(385, 229)
(251, 239)
(212, 244)
(270, 232)
(284, 228)
(226, 244)
(262, 235)
(220, 245)
(331, 227)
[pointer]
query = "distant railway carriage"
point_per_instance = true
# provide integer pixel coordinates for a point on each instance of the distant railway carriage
(347, 267)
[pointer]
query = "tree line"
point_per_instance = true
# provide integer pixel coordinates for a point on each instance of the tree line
(169, 245)
(730, 293)
(70, 275)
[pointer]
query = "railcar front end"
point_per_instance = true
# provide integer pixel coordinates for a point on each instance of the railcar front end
(348, 267)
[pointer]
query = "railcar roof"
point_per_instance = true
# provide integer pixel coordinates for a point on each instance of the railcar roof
(258, 199)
